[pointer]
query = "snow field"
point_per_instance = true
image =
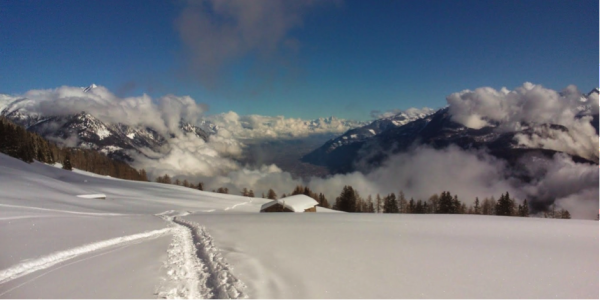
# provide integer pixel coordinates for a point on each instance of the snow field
(90, 247)
(45, 262)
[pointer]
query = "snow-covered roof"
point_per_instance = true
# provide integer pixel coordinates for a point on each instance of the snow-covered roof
(296, 203)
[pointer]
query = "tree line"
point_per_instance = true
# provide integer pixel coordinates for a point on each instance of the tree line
(28, 146)
(444, 203)
(350, 200)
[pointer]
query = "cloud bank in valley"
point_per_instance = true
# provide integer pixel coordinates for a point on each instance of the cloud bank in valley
(425, 171)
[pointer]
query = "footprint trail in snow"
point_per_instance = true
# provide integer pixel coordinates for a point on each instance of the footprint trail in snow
(196, 269)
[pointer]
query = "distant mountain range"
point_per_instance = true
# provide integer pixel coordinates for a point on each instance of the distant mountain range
(368, 146)
(121, 141)
(85, 130)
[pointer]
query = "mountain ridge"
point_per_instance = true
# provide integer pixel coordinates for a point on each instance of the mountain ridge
(355, 150)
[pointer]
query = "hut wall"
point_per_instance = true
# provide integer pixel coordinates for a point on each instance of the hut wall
(312, 209)
(277, 208)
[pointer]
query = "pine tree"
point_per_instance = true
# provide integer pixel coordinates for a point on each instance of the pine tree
(378, 204)
(477, 209)
(251, 193)
(370, 205)
(505, 206)
(298, 190)
(26, 152)
(143, 175)
(446, 205)
(419, 207)
(307, 191)
(434, 201)
(402, 203)
(489, 206)
(347, 200)
(271, 194)
(456, 205)
(390, 206)
(411, 206)
(323, 201)
(2, 136)
(67, 162)
(361, 205)
(200, 186)
(524, 209)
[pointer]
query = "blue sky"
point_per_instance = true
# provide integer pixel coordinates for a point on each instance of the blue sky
(344, 58)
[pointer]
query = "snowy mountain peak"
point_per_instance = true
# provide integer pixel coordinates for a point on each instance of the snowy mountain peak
(89, 88)
(594, 91)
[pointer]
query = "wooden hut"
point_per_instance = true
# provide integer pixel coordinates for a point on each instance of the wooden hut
(295, 203)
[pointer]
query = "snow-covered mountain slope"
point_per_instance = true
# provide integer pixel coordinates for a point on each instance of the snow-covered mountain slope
(149, 240)
(368, 146)
(376, 127)
(85, 130)
(136, 128)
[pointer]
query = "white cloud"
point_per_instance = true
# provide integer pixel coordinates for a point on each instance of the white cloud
(582, 204)
(188, 156)
(561, 178)
(162, 114)
(529, 103)
(216, 33)
(532, 105)
(424, 171)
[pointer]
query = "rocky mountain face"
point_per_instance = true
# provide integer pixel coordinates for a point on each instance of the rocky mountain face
(367, 147)
(365, 133)
(118, 141)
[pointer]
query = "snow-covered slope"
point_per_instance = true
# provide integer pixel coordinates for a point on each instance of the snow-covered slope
(371, 144)
(365, 133)
(135, 128)
(154, 240)
(85, 130)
